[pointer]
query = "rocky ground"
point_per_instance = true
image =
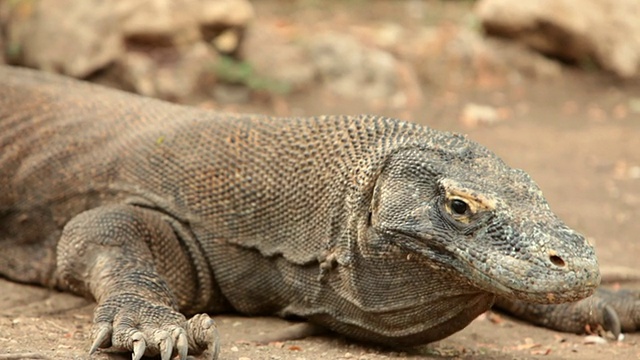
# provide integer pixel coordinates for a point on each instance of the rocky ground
(576, 130)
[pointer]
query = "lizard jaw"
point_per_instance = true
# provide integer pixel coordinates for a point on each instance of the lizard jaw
(512, 278)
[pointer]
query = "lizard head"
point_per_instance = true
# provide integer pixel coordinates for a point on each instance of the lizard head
(471, 213)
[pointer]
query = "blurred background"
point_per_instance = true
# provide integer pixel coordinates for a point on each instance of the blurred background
(552, 86)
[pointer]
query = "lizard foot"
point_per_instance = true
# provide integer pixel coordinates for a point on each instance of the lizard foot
(621, 310)
(147, 329)
(606, 310)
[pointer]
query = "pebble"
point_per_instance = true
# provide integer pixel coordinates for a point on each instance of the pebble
(594, 339)
(475, 114)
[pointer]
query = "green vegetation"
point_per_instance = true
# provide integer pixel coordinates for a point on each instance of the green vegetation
(237, 72)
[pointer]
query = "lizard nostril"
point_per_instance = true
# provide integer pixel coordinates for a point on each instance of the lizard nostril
(557, 260)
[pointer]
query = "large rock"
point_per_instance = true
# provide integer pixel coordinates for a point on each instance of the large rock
(66, 36)
(605, 31)
(183, 21)
(457, 57)
(184, 72)
(352, 69)
(80, 37)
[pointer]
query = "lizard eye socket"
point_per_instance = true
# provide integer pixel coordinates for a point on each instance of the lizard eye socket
(463, 205)
(459, 207)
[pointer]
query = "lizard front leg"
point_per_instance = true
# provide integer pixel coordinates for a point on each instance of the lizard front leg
(113, 254)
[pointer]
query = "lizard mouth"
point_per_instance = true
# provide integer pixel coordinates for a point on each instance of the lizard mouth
(535, 281)
(527, 281)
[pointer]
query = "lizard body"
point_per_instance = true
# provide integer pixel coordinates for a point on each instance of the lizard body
(378, 229)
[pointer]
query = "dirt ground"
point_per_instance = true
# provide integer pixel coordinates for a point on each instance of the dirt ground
(579, 138)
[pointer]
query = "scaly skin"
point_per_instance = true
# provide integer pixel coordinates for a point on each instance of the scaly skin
(382, 230)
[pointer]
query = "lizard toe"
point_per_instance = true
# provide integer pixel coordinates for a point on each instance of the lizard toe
(172, 342)
(101, 335)
(182, 344)
(166, 344)
(203, 336)
(139, 346)
(611, 321)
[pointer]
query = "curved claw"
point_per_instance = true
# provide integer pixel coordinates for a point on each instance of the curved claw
(139, 346)
(207, 323)
(214, 345)
(611, 321)
(101, 339)
(216, 349)
(182, 344)
(166, 348)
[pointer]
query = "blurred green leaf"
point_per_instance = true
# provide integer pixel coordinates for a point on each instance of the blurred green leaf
(237, 72)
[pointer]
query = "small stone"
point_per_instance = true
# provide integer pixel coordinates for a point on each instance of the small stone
(227, 42)
(594, 340)
(634, 105)
(620, 111)
(475, 114)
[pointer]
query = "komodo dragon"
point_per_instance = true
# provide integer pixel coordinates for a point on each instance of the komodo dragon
(381, 230)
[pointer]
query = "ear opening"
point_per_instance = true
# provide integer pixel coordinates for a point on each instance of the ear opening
(405, 188)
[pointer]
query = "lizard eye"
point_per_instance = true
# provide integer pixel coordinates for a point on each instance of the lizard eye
(459, 207)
